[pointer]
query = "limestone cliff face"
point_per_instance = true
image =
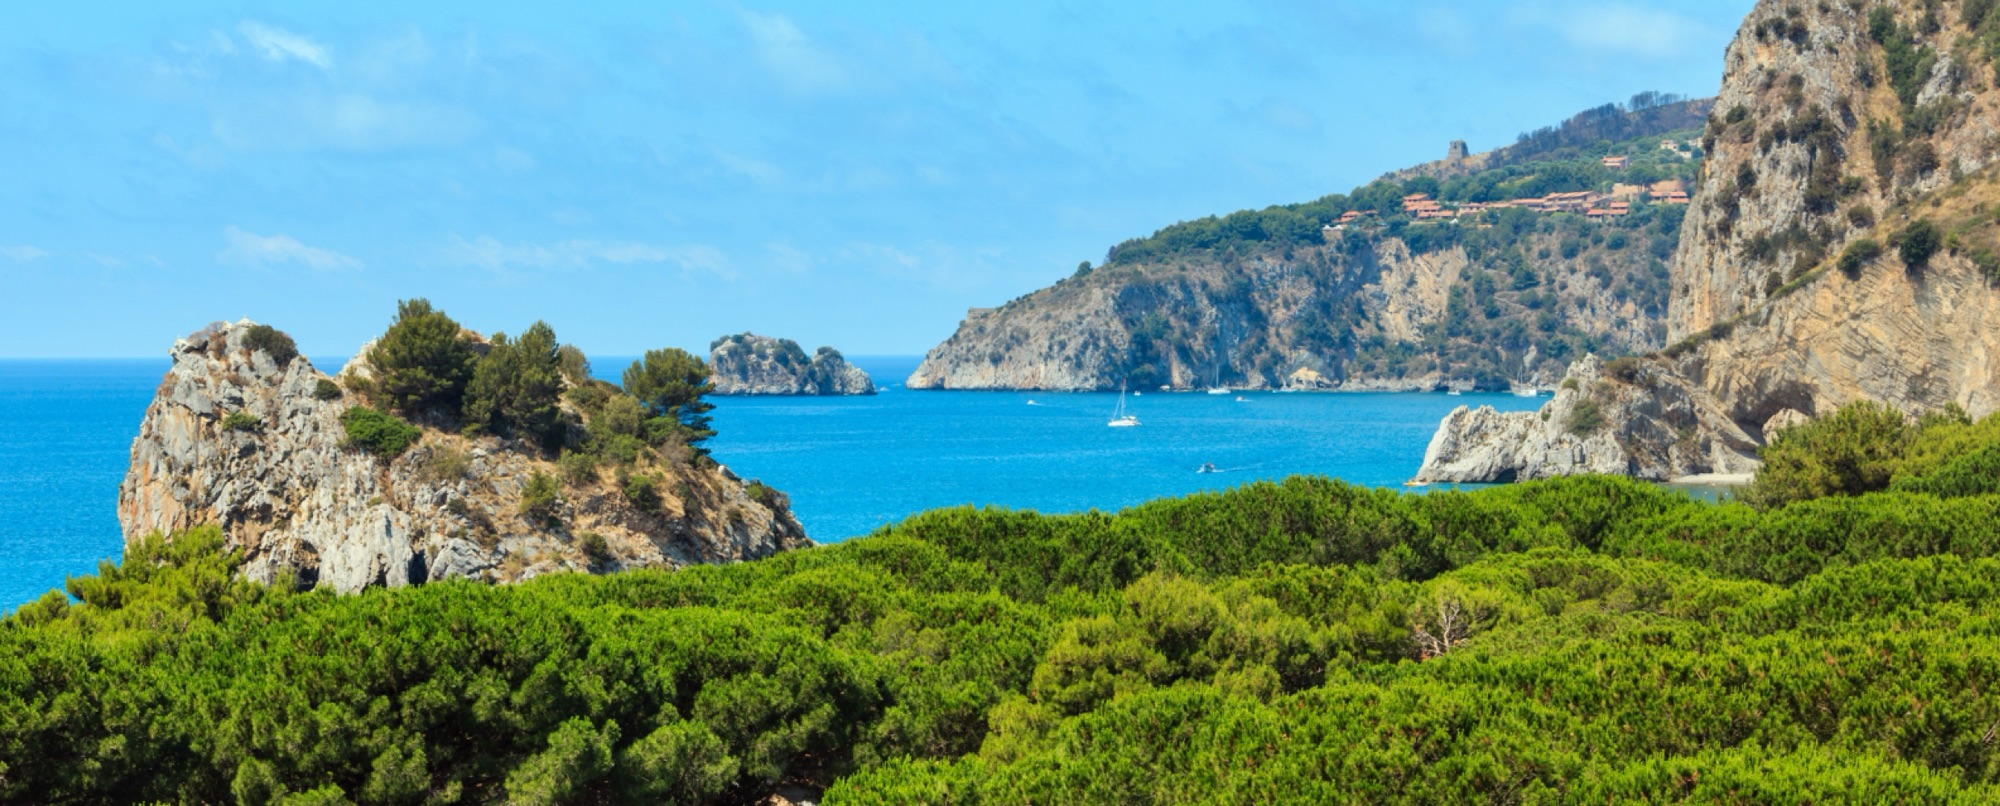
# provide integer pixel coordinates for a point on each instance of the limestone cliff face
(1822, 144)
(235, 439)
(1824, 152)
(1648, 424)
(1359, 314)
(749, 364)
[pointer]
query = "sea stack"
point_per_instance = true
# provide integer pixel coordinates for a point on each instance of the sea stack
(255, 443)
(749, 364)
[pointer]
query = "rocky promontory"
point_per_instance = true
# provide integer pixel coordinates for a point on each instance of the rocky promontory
(1476, 277)
(749, 364)
(257, 444)
(1630, 418)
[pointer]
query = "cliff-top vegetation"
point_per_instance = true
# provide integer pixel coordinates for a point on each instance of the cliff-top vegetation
(1373, 289)
(1588, 639)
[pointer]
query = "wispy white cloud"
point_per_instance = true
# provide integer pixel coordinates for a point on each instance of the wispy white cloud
(22, 254)
(759, 171)
(488, 252)
(933, 263)
(278, 44)
(791, 258)
(250, 249)
(1622, 28)
(791, 57)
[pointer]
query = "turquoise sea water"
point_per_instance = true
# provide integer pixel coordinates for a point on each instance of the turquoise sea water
(850, 465)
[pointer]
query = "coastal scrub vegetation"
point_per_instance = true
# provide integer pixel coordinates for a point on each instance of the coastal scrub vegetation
(1533, 288)
(1588, 639)
(272, 342)
(534, 389)
(378, 432)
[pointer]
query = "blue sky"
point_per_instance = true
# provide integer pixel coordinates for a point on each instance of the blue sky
(661, 173)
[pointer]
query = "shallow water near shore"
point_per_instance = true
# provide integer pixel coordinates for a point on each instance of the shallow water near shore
(850, 465)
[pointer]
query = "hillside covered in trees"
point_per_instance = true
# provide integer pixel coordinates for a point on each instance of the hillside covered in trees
(1487, 280)
(1588, 639)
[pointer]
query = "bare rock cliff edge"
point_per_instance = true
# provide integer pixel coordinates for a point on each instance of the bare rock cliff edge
(1648, 424)
(287, 491)
(1842, 132)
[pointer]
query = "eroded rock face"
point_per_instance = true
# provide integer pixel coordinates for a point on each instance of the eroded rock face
(1810, 151)
(1242, 324)
(1916, 339)
(1652, 425)
(749, 364)
(297, 502)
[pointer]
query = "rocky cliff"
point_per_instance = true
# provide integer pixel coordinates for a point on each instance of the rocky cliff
(236, 438)
(1843, 243)
(749, 364)
(1839, 126)
(1450, 275)
(1361, 311)
(1638, 419)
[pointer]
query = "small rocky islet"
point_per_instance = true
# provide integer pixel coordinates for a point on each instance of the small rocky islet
(747, 364)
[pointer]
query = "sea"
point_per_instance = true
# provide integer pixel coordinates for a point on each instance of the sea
(850, 465)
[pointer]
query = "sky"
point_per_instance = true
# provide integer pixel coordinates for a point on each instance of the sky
(650, 174)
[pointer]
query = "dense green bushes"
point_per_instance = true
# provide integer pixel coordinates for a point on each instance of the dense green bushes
(1578, 640)
(272, 342)
(378, 432)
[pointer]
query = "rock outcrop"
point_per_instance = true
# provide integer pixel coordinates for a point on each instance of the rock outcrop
(237, 439)
(1375, 291)
(749, 364)
(1767, 319)
(1790, 295)
(1357, 312)
(1648, 424)
(1814, 151)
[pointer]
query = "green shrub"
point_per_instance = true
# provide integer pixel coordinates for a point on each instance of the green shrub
(575, 366)
(1853, 451)
(1918, 242)
(594, 547)
(642, 492)
(242, 421)
(326, 389)
(1626, 369)
(767, 496)
(1987, 261)
(378, 432)
(1858, 255)
(1586, 418)
(422, 364)
(272, 342)
(578, 468)
(541, 496)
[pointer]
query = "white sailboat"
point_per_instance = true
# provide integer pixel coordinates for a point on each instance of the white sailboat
(1120, 419)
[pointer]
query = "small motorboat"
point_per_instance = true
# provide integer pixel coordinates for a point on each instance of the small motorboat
(1242, 399)
(1207, 467)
